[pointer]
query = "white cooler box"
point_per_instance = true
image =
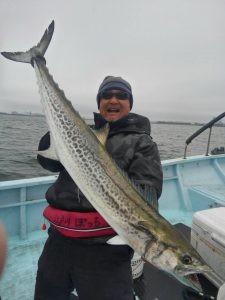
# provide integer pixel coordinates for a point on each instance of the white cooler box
(208, 238)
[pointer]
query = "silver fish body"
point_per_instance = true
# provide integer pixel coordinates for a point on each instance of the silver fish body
(98, 177)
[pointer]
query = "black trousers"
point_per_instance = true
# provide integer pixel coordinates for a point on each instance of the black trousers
(97, 271)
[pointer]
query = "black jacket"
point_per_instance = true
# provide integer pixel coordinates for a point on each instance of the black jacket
(130, 145)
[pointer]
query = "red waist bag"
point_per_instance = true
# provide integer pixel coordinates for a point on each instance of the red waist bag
(78, 224)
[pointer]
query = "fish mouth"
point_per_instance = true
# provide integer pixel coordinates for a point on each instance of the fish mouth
(193, 281)
(192, 278)
(196, 288)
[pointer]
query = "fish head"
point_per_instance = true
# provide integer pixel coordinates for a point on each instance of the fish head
(184, 264)
(189, 265)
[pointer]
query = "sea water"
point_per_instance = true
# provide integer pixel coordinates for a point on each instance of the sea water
(20, 136)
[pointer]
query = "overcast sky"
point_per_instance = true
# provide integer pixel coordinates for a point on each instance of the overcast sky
(171, 51)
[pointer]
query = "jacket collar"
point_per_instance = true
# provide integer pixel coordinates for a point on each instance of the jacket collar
(130, 123)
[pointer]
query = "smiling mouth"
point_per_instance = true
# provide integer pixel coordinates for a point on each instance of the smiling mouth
(113, 109)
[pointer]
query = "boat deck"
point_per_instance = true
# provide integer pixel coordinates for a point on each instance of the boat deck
(19, 278)
(210, 191)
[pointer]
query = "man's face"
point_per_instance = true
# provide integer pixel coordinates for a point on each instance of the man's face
(114, 105)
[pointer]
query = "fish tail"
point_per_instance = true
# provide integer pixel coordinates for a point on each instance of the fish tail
(36, 52)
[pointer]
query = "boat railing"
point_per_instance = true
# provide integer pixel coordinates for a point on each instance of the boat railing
(209, 126)
(21, 205)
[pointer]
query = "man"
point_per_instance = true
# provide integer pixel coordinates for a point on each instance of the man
(86, 262)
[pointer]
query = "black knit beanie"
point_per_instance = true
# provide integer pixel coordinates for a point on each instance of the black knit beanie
(111, 82)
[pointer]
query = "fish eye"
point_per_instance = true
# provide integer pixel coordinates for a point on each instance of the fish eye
(186, 259)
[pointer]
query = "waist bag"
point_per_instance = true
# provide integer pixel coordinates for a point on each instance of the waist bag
(78, 224)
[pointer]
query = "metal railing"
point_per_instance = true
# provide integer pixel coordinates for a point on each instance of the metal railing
(209, 126)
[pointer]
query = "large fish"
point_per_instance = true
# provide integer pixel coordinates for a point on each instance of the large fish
(114, 196)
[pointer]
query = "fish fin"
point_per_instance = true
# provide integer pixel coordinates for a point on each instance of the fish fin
(102, 133)
(116, 240)
(42, 46)
(142, 226)
(37, 51)
(50, 152)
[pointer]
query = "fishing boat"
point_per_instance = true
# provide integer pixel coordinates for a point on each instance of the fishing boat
(192, 184)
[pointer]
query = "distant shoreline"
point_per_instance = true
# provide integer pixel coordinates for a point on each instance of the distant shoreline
(21, 114)
(178, 123)
(186, 123)
(153, 122)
